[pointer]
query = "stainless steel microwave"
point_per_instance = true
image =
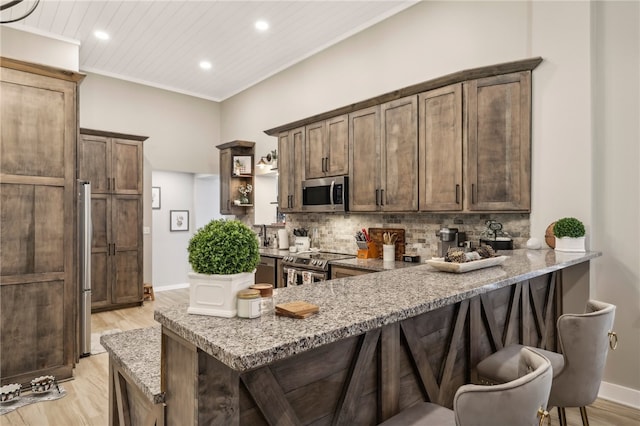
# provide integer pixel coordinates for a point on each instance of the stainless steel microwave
(326, 194)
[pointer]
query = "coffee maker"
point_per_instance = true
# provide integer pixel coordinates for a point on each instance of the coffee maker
(449, 237)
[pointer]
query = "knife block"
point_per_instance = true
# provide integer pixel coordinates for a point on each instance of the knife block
(371, 252)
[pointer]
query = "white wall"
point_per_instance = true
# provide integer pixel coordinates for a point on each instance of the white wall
(616, 180)
(32, 47)
(207, 199)
(431, 39)
(170, 259)
(183, 131)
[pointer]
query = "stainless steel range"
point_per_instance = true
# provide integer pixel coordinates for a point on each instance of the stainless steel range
(302, 268)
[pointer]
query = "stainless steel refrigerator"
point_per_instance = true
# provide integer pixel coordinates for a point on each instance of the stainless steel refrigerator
(84, 264)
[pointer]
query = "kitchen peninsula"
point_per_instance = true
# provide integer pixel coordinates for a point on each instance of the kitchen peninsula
(380, 343)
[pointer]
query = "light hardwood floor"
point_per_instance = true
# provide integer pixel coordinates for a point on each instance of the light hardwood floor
(87, 399)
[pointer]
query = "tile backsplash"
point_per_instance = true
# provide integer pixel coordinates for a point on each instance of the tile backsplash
(336, 231)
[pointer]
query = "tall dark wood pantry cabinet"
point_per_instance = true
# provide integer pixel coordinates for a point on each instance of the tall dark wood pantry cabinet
(38, 292)
(112, 162)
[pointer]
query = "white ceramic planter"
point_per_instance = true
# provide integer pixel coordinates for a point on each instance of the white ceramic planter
(570, 245)
(215, 295)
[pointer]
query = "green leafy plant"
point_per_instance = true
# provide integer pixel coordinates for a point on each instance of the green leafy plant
(223, 247)
(568, 227)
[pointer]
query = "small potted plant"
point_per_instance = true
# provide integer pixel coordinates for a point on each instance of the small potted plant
(223, 255)
(570, 235)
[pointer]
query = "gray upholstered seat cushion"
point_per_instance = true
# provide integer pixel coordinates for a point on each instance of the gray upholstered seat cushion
(422, 414)
(502, 366)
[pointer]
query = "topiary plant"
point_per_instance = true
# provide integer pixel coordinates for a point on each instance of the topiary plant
(223, 247)
(568, 227)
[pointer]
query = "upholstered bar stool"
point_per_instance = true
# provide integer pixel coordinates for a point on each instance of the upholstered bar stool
(577, 372)
(519, 402)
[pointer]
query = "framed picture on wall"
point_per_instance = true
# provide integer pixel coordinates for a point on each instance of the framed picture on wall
(242, 165)
(179, 220)
(155, 197)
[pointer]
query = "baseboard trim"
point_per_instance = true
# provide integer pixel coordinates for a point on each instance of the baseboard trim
(620, 395)
(170, 287)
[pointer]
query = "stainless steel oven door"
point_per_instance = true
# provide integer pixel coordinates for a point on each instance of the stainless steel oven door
(296, 276)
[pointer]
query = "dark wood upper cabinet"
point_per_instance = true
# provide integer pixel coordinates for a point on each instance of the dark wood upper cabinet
(327, 148)
(456, 143)
(440, 135)
(364, 138)
(498, 137)
(384, 157)
(111, 163)
(291, 164)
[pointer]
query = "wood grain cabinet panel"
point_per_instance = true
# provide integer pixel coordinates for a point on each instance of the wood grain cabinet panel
(475, 145)
(440, 136)
(112, 162)
(327, 148)
(384, 157)
(291, 169)
(112, 165)
(364, 138)
(38, 293)
(499, 143)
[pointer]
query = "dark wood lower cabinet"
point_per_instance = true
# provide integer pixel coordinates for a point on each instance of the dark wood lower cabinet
(362, 379)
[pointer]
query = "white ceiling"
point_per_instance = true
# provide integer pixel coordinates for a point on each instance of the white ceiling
(160, 43)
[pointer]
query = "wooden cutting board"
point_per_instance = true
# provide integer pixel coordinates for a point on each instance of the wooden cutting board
(376, 237)
(297, 309)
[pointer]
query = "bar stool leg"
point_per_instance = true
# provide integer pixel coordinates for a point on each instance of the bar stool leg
(562, 416)
(583, 414)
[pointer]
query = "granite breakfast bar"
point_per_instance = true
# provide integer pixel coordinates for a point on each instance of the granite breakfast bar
(380, 343)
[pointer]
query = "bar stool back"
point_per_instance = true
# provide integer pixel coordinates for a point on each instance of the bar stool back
(578, 370)
(522, 401)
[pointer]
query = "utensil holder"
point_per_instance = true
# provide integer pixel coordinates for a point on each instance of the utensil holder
(371, 252)
(388, 252)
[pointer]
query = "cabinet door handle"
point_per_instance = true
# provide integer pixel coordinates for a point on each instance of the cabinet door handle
(457, 194)
(326, 164)
(473, 193)
(114, 248)
(113, 186)
(108, 184)
(377, 194)
(382, 197)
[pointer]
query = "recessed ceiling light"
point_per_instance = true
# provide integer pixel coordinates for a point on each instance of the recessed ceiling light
(101, 35)
(205, 65)
(262, 25)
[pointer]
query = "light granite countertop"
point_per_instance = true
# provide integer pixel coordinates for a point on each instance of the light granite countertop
(273, 252)
(137, 352)
(351, 306)
(375, 265)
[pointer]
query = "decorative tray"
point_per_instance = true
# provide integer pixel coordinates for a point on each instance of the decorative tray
(458, 268)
